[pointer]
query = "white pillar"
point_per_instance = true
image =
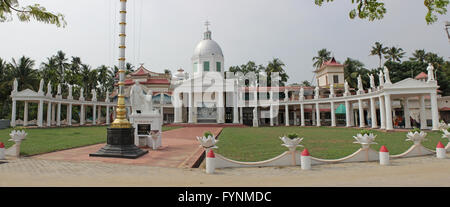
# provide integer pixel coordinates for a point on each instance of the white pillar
(382, 113)
(423, 119)
(313, 115)
(406, 112)
(333, 115)
(235, 109)
(362, 123)
(82, 114)
(99, 114)
(387, 100)
(58, 115)
(348, 114)
(373, 113)
(25, 114)
(295, 117)
(49, 114)
(94, 115)
(286, 115)
(69, 114)
(241, 111)
(271, 115)
(318, 115)
(302, 114)
(108, 120)
(191, 108)
(40, 117)
(53, 113)
(13, 113)
(434, 111)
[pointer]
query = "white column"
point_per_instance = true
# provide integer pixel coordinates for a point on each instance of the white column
(318, 115)
(99, 114)
(40, 117)
(362, 123)
(82, 114)
(241, 115)
(13, 113)
(352, 115)
(286, 115)
(58, 115)
(382, 113)
(302, 114)
(348, 114)
(25, 114)
(333, 115)
(53, 113)
(271, 115)
(423, 119)
(69, 114)
(94, 115)
(295, 117)
(108, 120)
(373, 113)
(313, 115)
(235, 109)
(387, 100)
(191, 108)
(434, 111)
(407, 113)
(49, 114)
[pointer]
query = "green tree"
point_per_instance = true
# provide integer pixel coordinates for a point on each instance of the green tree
(394, 54)
(418, 55)
(322, 56)
(276, 66)
(25, 13)
(375, 9)
(23, 70)
(379, 51)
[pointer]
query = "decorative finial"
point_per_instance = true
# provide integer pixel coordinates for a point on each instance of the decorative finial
(207, 24)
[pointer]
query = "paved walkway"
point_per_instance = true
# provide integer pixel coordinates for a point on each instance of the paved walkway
(180, 149)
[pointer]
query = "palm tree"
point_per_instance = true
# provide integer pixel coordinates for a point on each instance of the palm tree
(24, 72)
(49, 72)
(352, 69)
(322, 56)
(276, 66)
(394, 54)
(419, 56)
(62, 65)
(378, 50)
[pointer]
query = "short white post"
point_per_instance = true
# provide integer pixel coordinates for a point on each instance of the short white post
(441, 153)
(2, 151)
(210, 161)
(305, 160)
(384, 156)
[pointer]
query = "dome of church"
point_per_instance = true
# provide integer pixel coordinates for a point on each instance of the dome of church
(208, 47)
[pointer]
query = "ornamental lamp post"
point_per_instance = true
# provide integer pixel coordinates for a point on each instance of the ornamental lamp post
(120, 135)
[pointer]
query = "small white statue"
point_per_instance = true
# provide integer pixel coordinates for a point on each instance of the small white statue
(82, 94)
(41, 87)
(386, 75)
(430, 70)
(107, 96)
(15, 85)
(59, 89)
(317, 92)
(372, 81)
(346, 87)
(70, 91)
(381, 78)
(302, 93)
(94, 95)
(331, 90)
(49, 89)
(360, 85)
(149, 101)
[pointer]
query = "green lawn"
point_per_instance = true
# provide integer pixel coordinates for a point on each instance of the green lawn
(40, 141)
(257, 144)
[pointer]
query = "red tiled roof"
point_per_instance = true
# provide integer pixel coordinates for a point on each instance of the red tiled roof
(444, 109)
(332, 62)
(156, 81)
(422, 75)
(141, 71)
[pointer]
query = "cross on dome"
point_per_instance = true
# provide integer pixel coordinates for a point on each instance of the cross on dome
(207, 35)
(207, 24)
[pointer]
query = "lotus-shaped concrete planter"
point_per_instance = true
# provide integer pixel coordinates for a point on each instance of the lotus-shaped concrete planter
(416, 137)
(292, 144)
(443, 126)
(17, 135)
(446, 134)
(207, 142)
(365, 140)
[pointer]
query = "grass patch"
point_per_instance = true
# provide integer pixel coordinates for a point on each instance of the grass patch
(40, 141)
(257, 144)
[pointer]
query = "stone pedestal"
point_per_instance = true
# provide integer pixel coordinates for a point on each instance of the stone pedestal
(120, 144)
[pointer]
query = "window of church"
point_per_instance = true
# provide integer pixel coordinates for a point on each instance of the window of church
(218, 66)
(335, 79)
(206, 66)
(195, 67)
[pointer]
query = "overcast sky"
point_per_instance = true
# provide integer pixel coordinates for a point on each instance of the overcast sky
(163, 33)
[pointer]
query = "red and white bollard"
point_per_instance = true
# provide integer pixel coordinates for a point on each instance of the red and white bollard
(2, 151)
(384, 155)
(210, 162)
(441, 153)
(305, 160)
